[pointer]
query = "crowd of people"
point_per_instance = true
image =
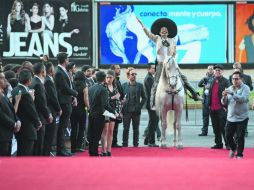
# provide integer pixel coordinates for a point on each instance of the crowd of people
(37, 104)
(226, 101)
(34, 98)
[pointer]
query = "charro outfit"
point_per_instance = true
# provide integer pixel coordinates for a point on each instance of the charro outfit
(165, 48)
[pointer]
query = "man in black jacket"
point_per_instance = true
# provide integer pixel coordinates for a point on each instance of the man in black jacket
(66, 94)
(30, 122)
(135, 99)
(153, 118)
(218, 112)
(54, 107)
(9, 122)
(98, 101)
(117, 70)
(205, 82)
(40, 102)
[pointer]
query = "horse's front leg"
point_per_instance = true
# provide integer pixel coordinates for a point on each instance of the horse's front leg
(174, 125)
(178, 126)
(163, 116)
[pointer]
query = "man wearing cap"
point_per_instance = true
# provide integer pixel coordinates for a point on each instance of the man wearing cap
(218, 111)
(162, 34)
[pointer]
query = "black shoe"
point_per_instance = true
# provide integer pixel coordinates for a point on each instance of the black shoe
(116, 146)
(153, 145)
(202, 134)
(94, 155)
(217, 146)
(125, 145)
(227, 147)
(63, 153)
(108, 153)
(80, 150)
(73, 151)
(104, 154)
(146, 141)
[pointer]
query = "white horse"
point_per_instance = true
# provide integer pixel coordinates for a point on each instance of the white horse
(170, 97)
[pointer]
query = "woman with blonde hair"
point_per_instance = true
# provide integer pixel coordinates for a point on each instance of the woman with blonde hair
(18, 19)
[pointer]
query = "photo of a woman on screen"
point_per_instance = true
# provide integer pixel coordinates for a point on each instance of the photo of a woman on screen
(48, 19)
(18, 19)
(36, 24)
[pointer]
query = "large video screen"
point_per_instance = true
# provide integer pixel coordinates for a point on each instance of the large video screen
(31, 28)
(201, 39)
(244, 47)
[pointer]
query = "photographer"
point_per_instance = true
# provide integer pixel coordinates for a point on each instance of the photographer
(206, 83)
(236, 97)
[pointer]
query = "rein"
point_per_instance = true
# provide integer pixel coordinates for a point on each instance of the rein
(173, 93)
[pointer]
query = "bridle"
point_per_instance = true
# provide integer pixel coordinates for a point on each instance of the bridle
(172, 87)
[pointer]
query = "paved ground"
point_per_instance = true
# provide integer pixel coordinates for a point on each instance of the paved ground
(190, 131)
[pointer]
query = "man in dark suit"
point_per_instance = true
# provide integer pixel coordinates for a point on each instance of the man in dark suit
(28, 115)
(54, 107)
(66, 95)
(98, 101)
(153, 118)
(246, 80)
(40, 102)
(117, 70)
(135, 99)
(9, 122)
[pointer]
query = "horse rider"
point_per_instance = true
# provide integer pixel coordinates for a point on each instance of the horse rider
(162, 34)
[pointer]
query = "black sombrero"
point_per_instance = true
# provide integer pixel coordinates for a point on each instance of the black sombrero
(164, 22)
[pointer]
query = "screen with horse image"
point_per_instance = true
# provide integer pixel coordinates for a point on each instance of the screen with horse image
(31, 28)
(201, 38)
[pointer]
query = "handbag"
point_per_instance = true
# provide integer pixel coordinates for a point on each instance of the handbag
(119, 119)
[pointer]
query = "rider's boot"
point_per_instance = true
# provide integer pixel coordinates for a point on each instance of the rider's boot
(187, 85)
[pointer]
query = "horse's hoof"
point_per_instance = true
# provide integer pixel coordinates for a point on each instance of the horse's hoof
(179, 146)
(163, 146)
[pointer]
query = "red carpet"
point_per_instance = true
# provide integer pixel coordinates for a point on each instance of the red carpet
(132, 168)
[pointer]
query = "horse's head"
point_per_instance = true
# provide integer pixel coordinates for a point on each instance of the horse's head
(171, 72)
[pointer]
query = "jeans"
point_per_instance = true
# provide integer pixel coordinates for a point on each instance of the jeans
(237, 130)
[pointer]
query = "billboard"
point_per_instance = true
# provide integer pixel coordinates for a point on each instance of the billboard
(244, 46)
(33, 28)
(201, 39)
